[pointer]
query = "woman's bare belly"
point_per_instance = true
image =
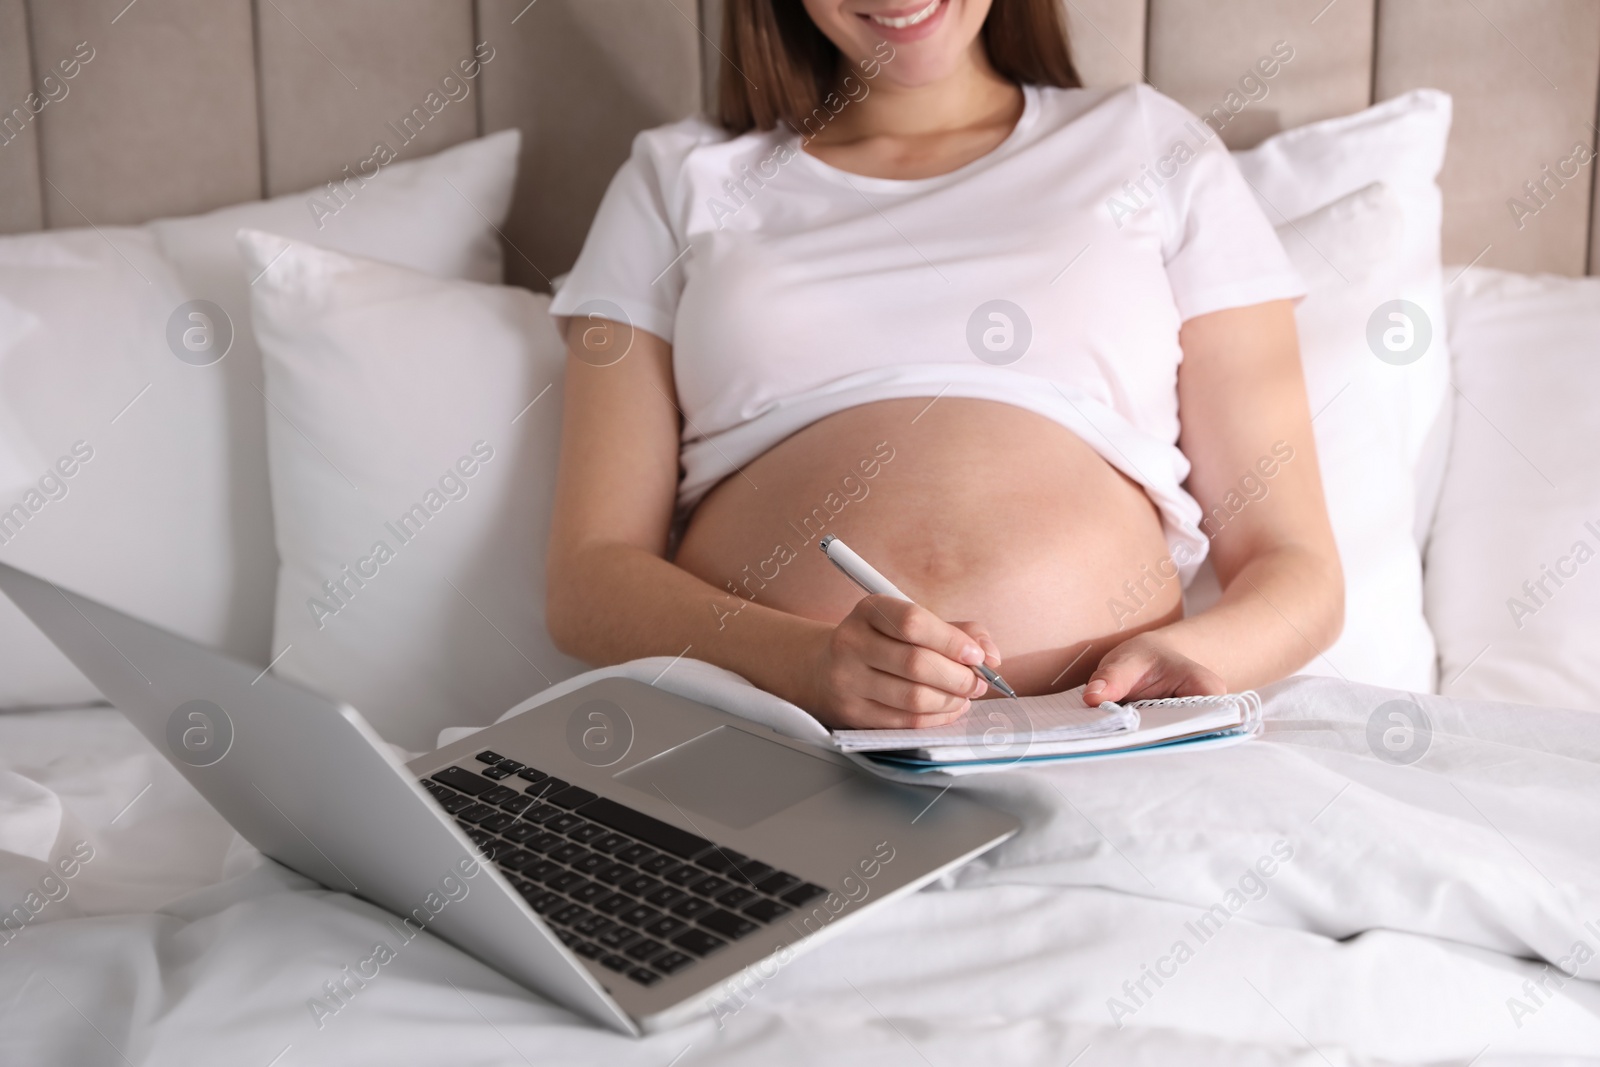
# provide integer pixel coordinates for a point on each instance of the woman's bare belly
(977, 510)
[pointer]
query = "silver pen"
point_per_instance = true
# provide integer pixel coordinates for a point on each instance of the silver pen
(867, 577)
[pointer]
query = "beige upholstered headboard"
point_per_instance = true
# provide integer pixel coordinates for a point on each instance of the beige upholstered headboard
(187, 105)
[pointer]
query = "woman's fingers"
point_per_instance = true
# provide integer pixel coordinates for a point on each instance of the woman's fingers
(1143, 669)
(915, 625)
(991, 651)
(914, 644)
(891, 664)
(871, 715)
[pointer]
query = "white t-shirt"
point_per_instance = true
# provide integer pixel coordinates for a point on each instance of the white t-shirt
(1053, 274)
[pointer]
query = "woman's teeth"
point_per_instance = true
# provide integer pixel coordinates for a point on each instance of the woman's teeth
(909, 20)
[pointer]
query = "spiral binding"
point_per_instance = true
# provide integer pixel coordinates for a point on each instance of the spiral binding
(1251, 719)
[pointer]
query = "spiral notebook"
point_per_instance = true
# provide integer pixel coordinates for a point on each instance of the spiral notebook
(1003, 732)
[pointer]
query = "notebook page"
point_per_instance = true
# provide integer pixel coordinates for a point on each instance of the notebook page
(1159, 722)
(1003, 723)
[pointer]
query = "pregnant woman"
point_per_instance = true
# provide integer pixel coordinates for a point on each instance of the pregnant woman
(1028, 348)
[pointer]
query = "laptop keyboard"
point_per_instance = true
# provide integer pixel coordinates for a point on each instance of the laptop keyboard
(640, 896)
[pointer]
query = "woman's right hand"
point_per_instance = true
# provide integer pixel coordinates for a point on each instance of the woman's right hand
(891, 664)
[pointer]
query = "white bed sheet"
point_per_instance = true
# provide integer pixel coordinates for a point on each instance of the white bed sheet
(1404, 928)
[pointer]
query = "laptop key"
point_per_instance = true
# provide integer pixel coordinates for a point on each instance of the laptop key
(619, 964)
(591, 863)
(737, 897)
(497, 795)
(639, 914)
(544, 901)
(709, 886)
(512, 765)
(671, 962)
(497, 822)
(655, 864)
(588, 950)
(592, 892)
(651, 831)
(693, 907)
(568, 938)
(643, 950)
(698, 942)
(684, 875)
(538, 872)
(455, 803)
(585, 832)
(569, 852)
(665, 926)
(547, 785)
(464, 780)
(617, 937)
(640, 885)
(720, 859)
(765, 911)
(614, 904)
(543, 840)
(665, 897)
(517, 859)
(569, 882)
(608, 842)
(644, 976)
(516, 805)
(476, 813)
(803, 894)
(726, 923)
(571, 797)
(750, 872)
(568, 915)
(496, 773)
(528, 774)
(615, 873)
(637, 854)
(487, 756)
(562, 823)
(777, 883)
(542, 813)
(593, 925)
(520, 832)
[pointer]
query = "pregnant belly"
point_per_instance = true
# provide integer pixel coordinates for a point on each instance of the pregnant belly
(977, 510)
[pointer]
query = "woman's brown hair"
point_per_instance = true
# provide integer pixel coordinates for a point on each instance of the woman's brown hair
(777, 67)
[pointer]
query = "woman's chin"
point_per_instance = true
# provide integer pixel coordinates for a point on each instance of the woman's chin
(909, 71)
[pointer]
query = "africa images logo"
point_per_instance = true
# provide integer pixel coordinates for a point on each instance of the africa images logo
(599, 732)
(199, 733)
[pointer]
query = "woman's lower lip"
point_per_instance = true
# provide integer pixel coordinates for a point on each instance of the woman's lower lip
(907, 34)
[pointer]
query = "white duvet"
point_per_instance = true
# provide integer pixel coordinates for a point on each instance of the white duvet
(1294, 900)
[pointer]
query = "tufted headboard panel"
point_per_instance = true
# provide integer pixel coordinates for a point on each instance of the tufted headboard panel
(177, 106)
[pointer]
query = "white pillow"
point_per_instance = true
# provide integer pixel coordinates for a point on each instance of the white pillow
(1401, 143)
(396, 394)
(170, 519)
(1513, 576)
(1374, 419)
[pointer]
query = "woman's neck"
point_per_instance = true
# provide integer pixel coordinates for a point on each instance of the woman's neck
(971, 95)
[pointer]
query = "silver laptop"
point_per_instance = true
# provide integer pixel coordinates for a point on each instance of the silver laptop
(628, 853)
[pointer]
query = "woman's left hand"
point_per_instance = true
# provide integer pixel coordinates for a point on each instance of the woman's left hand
(1147, 668)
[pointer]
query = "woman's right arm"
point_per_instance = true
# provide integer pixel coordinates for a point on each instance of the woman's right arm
(614, 596)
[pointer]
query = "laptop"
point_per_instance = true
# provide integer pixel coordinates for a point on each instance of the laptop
(633, 855)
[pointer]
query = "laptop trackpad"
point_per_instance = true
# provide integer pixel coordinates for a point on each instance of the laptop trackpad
(732, 776)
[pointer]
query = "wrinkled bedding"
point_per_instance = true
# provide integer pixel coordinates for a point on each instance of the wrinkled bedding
(1293, 900)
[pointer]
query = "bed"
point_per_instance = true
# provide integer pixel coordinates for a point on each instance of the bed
(1403, 868)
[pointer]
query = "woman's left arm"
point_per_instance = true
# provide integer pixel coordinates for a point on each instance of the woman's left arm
(1246, 428)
